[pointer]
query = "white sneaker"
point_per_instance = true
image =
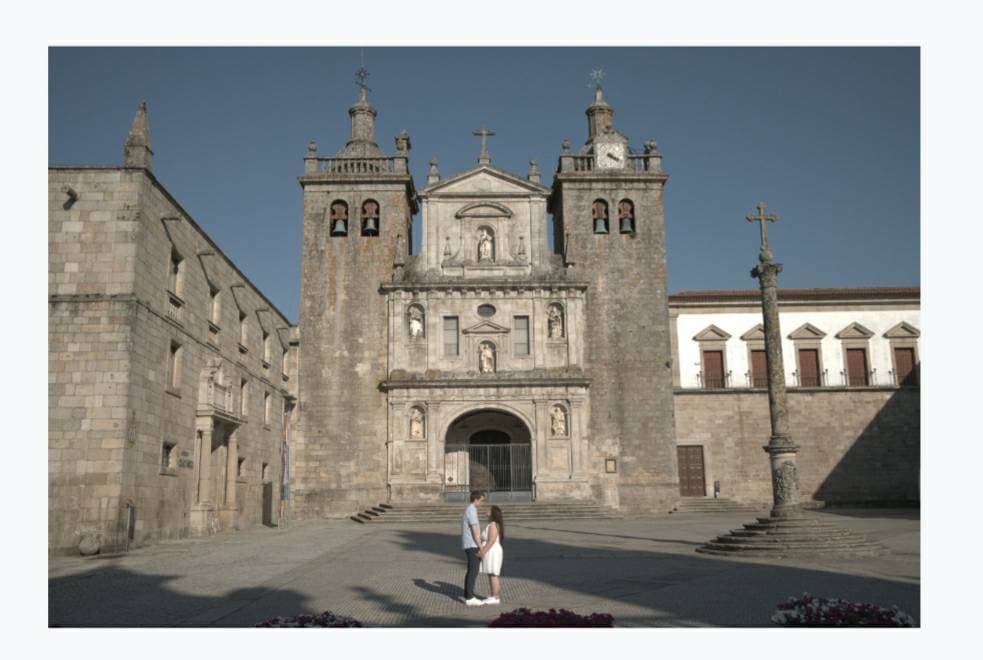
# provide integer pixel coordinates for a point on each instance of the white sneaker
(491, 600)
(473, 602)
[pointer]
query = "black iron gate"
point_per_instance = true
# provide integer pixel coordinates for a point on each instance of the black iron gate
(491, 468)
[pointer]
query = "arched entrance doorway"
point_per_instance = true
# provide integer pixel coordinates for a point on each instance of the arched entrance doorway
(488, 450)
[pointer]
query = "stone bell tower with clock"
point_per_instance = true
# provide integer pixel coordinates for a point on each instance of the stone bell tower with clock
(607, 206)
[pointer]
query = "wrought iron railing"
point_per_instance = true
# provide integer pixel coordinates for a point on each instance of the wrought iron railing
(820, 379)
(713, 381)
(493, 468)
(862, 379)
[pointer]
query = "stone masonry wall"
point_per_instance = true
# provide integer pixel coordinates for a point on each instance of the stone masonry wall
(111, 324)
(627, 342)
(856, 445)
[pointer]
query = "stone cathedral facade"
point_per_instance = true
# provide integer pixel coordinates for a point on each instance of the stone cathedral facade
(183, 402)
(491, 359)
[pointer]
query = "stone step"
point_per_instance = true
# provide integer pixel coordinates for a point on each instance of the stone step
(715, 505)
(450, 513)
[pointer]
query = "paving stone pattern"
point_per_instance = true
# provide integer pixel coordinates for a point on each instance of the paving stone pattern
(643, 571)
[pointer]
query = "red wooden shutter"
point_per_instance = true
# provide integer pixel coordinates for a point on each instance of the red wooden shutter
(904, 365)
(809, 367)
(713, 368)
(759, 369)
(856, 366)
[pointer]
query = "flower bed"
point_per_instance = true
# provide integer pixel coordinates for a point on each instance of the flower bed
(809, 611)
(323, 620)
(524, 618)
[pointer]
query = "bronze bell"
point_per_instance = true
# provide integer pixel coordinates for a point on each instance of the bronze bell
(600, 226)
(339, 227)
(371, 226)
(626, 225)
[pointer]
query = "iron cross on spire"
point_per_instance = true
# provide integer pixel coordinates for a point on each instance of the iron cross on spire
(596, 76)
(763, 217)
(362, 73)
(484, 133)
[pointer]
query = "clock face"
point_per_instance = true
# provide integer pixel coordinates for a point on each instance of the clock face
(610, 156)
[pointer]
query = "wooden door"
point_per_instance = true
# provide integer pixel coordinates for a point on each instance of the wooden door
(759, 369)
(904, 366)
(809, 367)
(856, 366)
(713, 369)
(692, 481)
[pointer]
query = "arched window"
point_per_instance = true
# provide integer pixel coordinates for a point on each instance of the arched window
(370, 218)
(599, 212)
(626, 216)
(338, 218)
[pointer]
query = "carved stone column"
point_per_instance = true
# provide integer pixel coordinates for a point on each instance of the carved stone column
(780, 448)
(435, 445)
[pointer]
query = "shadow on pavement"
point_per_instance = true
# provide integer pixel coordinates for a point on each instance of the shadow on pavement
(110, 596)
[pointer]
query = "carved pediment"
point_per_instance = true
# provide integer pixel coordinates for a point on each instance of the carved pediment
(484, 210)
(711, 333)
(903, 330)
(854, 331)
(755, 333)
(485, 328)
(485, 179)
(807, 331)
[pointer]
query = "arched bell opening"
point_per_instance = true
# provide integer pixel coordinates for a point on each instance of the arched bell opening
(488, 450)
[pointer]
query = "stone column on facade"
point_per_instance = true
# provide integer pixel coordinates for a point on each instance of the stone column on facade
(577, 440)
(204, 483)
(231, 475)
(781, 450)
(539, 437)
(435, 468)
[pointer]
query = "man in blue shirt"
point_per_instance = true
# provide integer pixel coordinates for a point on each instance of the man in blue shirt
(471, 542)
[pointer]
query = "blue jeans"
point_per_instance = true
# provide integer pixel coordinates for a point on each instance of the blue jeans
(472, 574)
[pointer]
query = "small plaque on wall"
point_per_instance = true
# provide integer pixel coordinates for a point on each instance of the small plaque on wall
(610, 465)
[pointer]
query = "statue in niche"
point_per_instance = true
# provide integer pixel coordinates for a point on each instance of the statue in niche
(416, 322)
(485, 245)
(486, 358)
(558, 421)
(555, 314)
(417, 422)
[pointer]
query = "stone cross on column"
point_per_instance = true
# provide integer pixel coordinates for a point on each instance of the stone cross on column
(762, 217)
(781, 450)
(483, 133)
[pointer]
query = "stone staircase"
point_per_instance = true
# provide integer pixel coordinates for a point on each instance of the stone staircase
(803, 534)
(717, 505)
(439, 512)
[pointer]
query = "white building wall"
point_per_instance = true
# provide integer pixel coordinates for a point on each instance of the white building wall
(830, 322)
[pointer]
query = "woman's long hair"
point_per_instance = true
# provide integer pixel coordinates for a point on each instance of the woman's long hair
(496, 516)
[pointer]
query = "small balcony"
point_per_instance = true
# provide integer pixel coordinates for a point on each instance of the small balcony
(713, 380)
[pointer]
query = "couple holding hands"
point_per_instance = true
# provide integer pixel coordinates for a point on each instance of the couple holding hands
(482, 549)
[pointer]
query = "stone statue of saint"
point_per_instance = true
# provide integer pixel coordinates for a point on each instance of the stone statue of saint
(416, 423)
(486, 359)
(555, 322)
(558, 421)
(484, 245)
(416, 323)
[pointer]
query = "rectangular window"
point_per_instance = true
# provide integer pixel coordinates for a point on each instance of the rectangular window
(856, 367)
(242, 328)
(809, 368)
(265, 472)
(243, 397)
(266, 348)
(520, 337)
(167, 455)
(713, 369)
(904, 366)
(759, 369)
(174, 366)
(450, 335)
(177, 266)
(215, 312)
(239, 466)
(266, 408)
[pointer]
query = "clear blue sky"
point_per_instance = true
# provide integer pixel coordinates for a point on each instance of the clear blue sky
(828, 137)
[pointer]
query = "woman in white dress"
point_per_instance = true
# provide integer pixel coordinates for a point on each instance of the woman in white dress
(491, 554)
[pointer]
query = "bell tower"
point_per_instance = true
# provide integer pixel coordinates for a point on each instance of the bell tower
(358, 208)
(607, 206)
